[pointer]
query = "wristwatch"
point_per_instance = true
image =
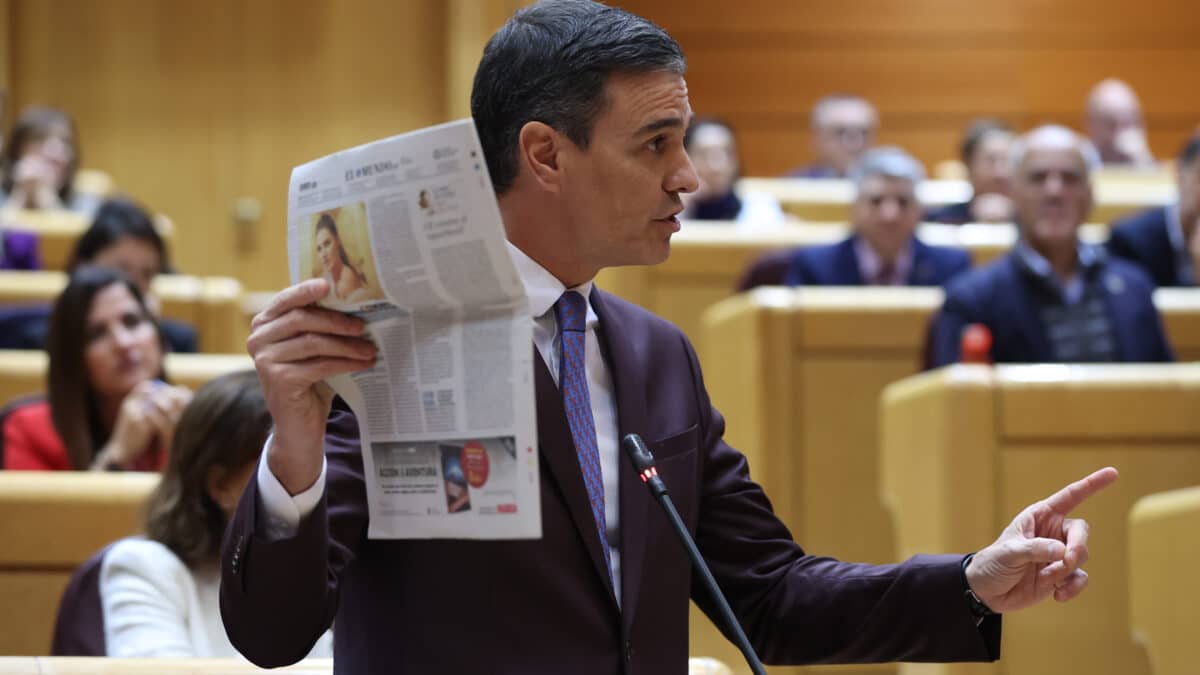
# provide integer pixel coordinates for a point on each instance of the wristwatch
(978, 610)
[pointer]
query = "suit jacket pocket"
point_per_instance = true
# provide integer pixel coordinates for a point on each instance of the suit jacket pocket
(676, 444)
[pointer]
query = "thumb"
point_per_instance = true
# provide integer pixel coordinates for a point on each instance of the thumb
(1034, 550)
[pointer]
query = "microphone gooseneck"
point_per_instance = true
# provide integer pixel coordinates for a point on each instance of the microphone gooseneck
(643, 463)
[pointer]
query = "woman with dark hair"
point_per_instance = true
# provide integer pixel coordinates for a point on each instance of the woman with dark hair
(349, 285)
(123, 236)
(160, 594)
(712, 146)
(108, 406)
(39, 161)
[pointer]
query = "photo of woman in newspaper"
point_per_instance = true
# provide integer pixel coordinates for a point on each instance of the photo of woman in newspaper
(332, 260)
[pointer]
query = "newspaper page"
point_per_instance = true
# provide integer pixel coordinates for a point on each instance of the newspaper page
(407, 232)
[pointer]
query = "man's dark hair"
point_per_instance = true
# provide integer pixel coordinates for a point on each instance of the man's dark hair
(979, 130)
(549, 63)
(1190, 151)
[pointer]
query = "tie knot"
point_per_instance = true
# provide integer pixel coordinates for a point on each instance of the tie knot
(571, 312)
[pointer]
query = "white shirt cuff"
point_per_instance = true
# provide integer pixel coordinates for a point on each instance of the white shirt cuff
(282, 512)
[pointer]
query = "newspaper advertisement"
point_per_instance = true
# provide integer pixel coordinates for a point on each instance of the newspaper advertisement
(407, 232)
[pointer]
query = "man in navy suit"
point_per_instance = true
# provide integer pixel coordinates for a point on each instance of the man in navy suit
(884, 249)
(1163, 240)
(581, 111)
(985, 154)
(1053, 298)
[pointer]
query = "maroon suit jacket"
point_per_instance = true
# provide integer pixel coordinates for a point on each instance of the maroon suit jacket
(547, 606)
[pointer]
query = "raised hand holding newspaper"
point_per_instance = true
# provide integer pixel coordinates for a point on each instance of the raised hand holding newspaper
(407, 233)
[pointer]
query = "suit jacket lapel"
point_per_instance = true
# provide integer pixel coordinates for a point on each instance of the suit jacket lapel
(846, 264)
(557, 449)
(626, 368)
(922, 271)
(1122, 315)
(1021, 311)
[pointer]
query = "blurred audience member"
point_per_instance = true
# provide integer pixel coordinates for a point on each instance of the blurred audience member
(122, 236)
(712, 145)
(843, 127)
(1115, 125)
(884, 249)
(160, 594)
(18, 249)
(38, 163)
(985, 154)
(1053, 298)
(1164, 240)
(108, 406)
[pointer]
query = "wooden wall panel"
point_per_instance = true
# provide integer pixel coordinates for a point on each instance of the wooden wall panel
(930, 65)
(193, 105)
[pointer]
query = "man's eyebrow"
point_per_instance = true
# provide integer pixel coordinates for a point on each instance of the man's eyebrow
(660, 124)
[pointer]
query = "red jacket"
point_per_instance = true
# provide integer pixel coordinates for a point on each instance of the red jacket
(32, 444)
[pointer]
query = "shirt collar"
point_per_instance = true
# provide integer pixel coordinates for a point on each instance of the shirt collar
(869, 263)
(543, 288)
(1088, 258)
(1175, 228)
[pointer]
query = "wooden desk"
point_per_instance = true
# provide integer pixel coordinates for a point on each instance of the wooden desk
(965, 448)
(1163, 596)
(24, 372)
(211, 304)
(58, 231)
(51, 522)
(825, 199)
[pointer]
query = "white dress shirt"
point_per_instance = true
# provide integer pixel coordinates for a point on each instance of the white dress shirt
(284, 512)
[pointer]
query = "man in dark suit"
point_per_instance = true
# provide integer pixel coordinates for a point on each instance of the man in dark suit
(1163, 240)
(581, 111)
(985, 154)
(843, 128)
(1053, 298)
(884, 249)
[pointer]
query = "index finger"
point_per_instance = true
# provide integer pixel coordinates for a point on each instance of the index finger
(299, 295)
(1067, 499)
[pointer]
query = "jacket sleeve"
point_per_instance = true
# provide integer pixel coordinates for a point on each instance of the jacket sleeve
(278, 596)
(798, 608)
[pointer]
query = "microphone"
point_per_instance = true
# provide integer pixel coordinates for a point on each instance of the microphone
(643, 463)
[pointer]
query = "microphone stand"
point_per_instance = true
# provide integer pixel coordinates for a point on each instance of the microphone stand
(643, 463)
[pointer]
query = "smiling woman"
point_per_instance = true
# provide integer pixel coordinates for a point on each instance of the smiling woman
(108, 406)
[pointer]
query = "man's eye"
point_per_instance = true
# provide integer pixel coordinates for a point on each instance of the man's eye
(657, 144)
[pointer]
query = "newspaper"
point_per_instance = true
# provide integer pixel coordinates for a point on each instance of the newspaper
(408, 234)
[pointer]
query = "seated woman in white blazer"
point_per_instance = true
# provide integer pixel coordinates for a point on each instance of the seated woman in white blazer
(160, 593)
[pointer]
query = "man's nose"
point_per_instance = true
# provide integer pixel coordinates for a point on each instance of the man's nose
(1053, 184)
(682, 177)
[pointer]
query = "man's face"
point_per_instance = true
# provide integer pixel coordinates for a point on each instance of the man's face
(990, 169)
(623, 191)
(1189, 195)
(1052, 196)
(886, 213)
(714, 154)
(845, 130)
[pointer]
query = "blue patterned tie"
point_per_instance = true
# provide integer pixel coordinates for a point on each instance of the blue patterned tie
(571, 312)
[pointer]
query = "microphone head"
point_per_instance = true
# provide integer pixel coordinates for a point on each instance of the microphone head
(638, 453)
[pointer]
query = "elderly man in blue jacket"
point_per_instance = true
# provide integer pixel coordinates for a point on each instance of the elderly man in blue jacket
(1054, 298)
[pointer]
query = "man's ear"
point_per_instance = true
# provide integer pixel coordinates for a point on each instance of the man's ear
(538, 146)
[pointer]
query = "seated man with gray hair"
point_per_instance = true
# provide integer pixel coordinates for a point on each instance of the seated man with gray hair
(1053, 298)
(884, 249)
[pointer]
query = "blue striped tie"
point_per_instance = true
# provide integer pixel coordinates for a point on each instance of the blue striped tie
(571, 312)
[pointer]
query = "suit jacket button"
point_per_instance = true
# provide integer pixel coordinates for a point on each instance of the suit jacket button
(628, 650)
